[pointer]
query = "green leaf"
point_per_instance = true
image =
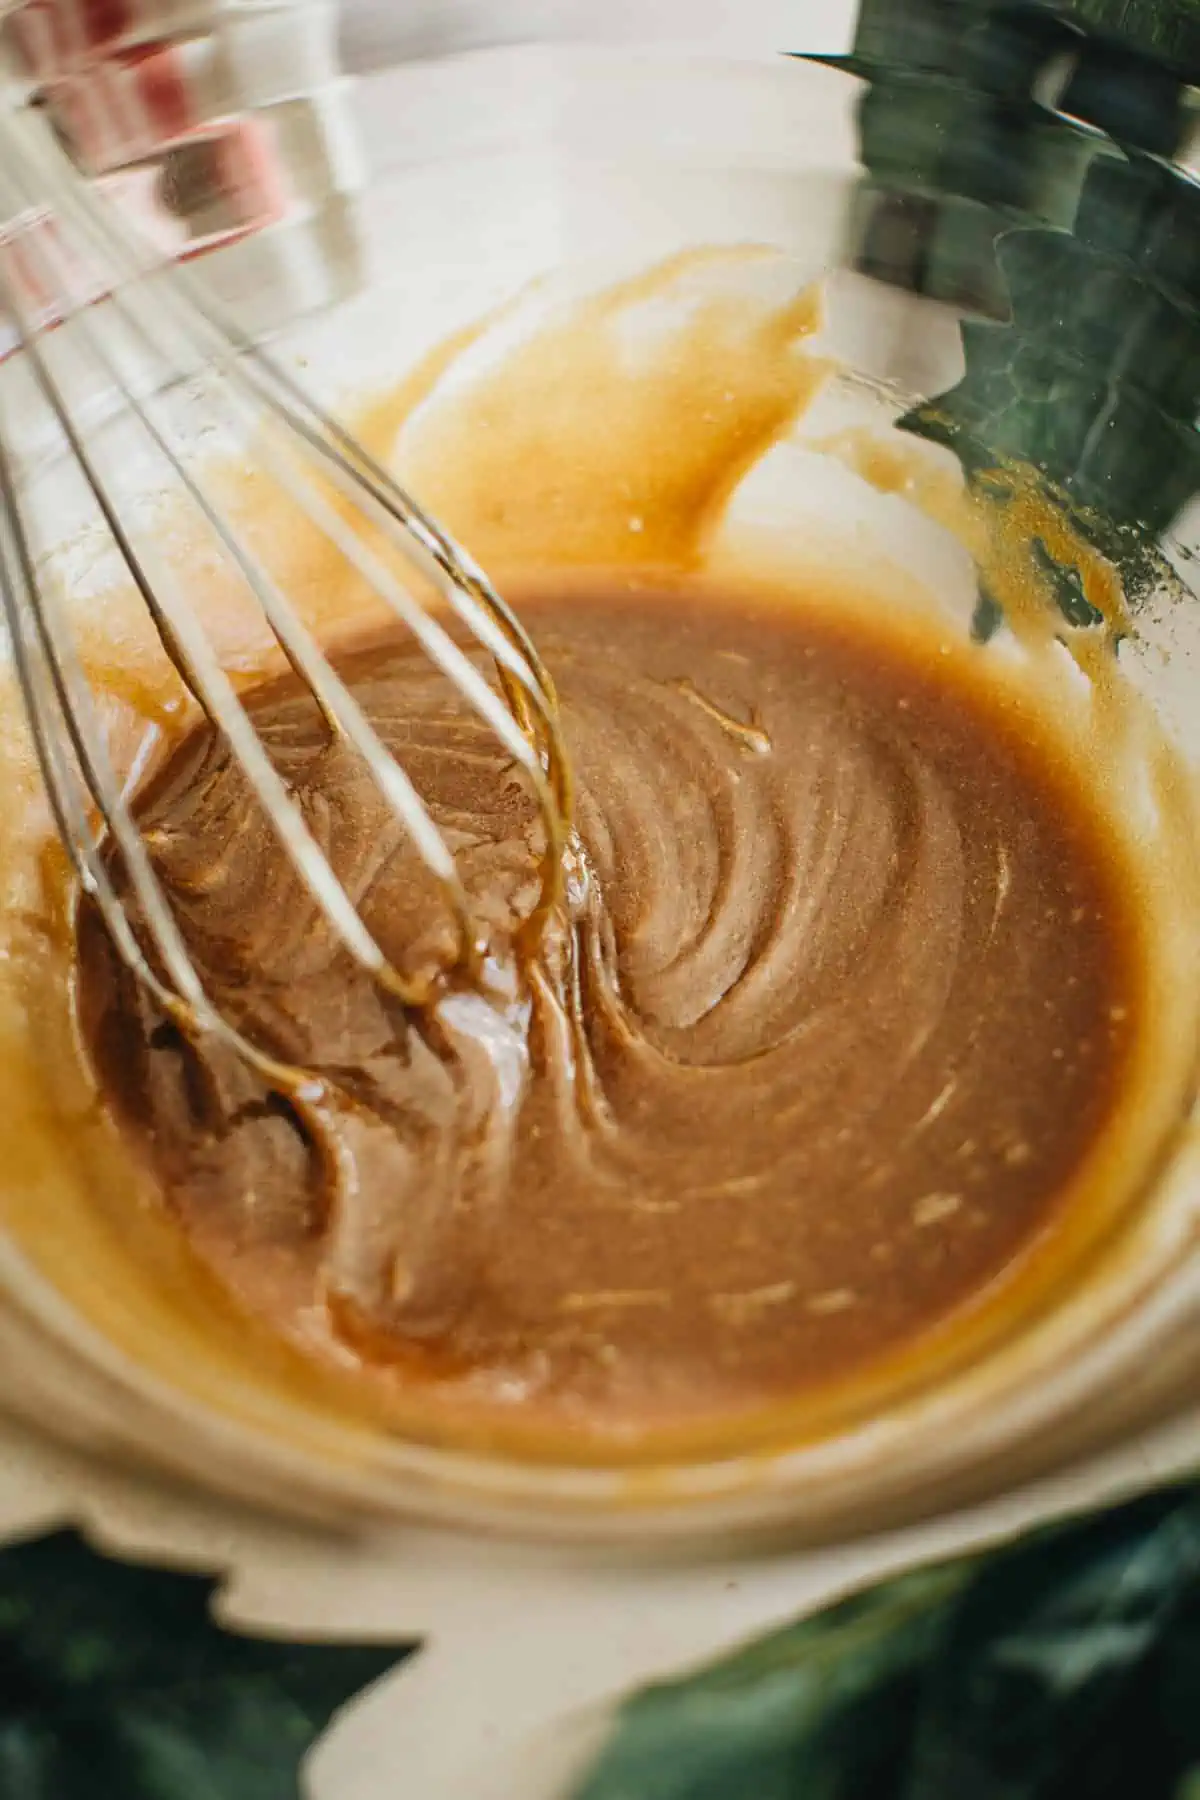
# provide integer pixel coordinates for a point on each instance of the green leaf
(1095, 377)
(1166, 28)
(116, 1681)
(1063, 1667)
(933, 34)
(824, 1704)
(1072, 230)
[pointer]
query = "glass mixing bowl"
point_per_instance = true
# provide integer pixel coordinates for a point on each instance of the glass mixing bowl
(494, 171)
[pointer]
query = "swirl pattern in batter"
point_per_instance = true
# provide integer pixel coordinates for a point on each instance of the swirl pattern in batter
(840, 998)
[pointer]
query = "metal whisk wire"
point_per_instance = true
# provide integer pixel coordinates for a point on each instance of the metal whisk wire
(37, 181)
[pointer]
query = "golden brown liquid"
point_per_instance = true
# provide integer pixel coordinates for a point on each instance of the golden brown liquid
(610, 433)
(840, 1005)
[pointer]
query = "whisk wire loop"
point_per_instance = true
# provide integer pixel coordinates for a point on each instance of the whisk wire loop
(86, 797)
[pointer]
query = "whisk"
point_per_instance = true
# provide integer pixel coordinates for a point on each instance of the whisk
(152, 305)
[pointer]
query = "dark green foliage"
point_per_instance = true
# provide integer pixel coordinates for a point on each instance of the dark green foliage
(1095, 380)
(1057, 217)
(1063, 1667)
(117, 1684)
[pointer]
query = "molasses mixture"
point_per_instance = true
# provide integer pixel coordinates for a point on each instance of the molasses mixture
(838, 1000)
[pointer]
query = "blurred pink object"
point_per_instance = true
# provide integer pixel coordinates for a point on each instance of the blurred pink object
(57, 35)
(217, 127)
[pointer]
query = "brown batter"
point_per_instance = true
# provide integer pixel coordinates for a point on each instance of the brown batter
(842, 998)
